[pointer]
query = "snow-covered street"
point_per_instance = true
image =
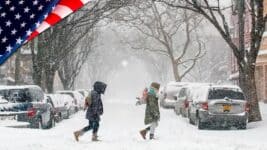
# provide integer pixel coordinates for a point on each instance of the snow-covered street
(119, 131)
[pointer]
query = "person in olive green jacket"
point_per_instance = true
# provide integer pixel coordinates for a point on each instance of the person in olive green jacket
(152, 114)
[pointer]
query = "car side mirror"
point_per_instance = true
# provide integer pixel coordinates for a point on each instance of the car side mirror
(175, 98)
(66, 103)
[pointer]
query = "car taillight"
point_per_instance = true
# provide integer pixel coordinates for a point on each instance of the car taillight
(205, 106)
(247, 107)
(31, 112)
(186, 103)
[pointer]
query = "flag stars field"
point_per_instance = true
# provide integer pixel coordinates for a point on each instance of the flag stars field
(8, 48)
(8, 2)
(21, 2)
(19, 41)
(13, 32)
(4, 40)
(17, 17)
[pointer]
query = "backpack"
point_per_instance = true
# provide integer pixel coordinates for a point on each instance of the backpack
(88, 100)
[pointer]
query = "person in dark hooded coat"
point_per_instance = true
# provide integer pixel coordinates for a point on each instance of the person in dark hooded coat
(94, 106)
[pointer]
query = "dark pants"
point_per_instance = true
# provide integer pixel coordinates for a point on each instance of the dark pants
(92, 125)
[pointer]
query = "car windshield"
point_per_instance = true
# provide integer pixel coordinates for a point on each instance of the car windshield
(225, 93)
(4, 93)
(25, 95)
(19, 95)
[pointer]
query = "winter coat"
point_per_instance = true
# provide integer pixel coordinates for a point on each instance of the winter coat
(95, 109)
(152, 113)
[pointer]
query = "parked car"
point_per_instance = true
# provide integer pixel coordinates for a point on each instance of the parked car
(28, 105)
(63, 105)
(83, 92)
(168, 94)
(219, 105)
(78, 98)
(184, 97)
(182, 102)
(3, 100)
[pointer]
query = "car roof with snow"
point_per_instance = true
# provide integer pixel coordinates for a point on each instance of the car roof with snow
(200, 93)
(3, 87)
(173, 83)
(66, 91)
(230, 87)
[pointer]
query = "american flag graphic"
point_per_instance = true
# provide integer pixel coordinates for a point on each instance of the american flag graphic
(22, 20)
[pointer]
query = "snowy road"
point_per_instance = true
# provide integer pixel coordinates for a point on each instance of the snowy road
(119, 131)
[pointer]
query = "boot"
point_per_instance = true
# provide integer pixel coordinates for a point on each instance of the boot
(151, 136)
(95, 138)
(143, 133)
(77, 134)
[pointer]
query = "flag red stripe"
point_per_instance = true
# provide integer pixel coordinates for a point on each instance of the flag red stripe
(52, 19)
(63, 8)
(33, 35)
(74, 5)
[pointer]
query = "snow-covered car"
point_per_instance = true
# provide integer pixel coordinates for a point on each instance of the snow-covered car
(78, 98)
(182, 102)
(185, 97)
(28, 105)
(3, 100)
(62, 105)
(169, 92)
(219, 106)
(84, 92)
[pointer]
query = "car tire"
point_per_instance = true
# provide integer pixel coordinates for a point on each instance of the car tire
(176, 111)
(60, 117)
(182, 113)
(68, 115)
(40, 124)
(190, 119)
(76, 109)
(161, 105)
(52, 122)
(200, 125)
(242, 126)
(37, 124)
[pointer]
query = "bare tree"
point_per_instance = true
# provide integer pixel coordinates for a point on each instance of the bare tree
(161, 28)
(71, 65)
(59, 42)
(157, 65)
(214, 66)
(246, 58)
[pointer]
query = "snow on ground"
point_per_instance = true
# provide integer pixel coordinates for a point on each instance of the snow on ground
(119, 131)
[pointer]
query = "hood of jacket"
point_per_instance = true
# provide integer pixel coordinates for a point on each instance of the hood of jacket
(100, 87)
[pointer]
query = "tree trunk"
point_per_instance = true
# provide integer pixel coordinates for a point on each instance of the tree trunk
(248, 85)
(175, 72)
(36, 63)
(50, 75)
(65, 82)
(17, 68)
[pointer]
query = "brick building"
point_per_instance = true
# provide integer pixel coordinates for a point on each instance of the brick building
(261, 63)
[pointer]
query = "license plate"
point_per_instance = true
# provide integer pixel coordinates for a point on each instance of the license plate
(227, 108)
